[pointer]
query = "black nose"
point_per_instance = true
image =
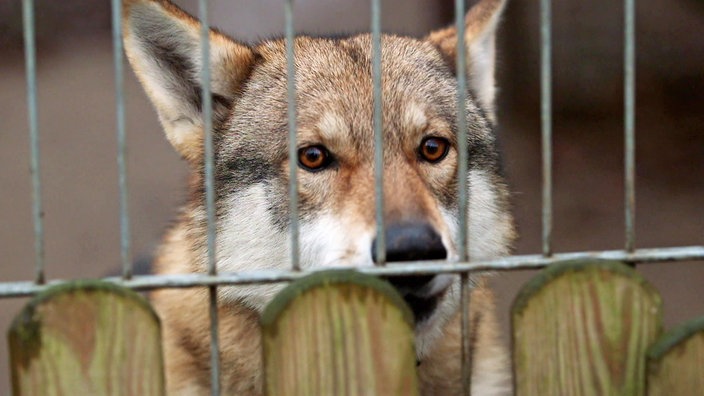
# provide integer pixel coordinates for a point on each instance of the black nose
(410, 242)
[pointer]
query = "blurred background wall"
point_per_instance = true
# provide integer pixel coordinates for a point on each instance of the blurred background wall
(78, 143)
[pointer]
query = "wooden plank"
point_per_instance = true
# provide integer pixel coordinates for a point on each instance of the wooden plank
(86, 338)
(676, 361)
(339, 333)
(583, 328)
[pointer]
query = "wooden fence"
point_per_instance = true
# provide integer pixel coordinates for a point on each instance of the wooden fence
(580, 328)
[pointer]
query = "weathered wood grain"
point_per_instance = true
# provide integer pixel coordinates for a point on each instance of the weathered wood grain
(676, 361)
(339, 333)
(583, 328)
(86, 338)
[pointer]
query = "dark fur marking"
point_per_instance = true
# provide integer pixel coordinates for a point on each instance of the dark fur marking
(151, 30)
(473, 328)
(355, 54)
(183, 75)
(199, 356)
(449, 60)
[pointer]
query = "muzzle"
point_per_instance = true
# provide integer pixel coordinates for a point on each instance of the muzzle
(413, 242)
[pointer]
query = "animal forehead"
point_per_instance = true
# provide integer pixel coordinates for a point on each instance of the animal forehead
(335, 75)
(323, 64)
(334, 91)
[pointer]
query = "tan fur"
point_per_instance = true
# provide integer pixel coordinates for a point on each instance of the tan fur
(334, 109)
(440, 372)
(477, 20)
(186, 332)
(480, 24)
(185, 320)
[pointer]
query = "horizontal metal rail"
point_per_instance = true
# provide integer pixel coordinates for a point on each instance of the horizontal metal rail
(523, 262)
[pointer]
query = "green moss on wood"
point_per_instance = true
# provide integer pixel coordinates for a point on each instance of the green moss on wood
(25, 333)
(675, 337)
(583, 328)
(86, 337)
(83, 285)
(339, 332)
(555, 271)
(676, 361)
(25, 329)
(330, 277)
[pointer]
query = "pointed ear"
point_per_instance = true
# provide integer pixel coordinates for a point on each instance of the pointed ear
(480, 31)
(162, 43)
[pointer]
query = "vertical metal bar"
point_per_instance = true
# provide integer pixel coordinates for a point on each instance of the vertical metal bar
(209, 193)
(629, 122)
(214, 341)
(121, 141)
(378, 134)
(30, 54)
(292, 145)
(466, 347)
(546, 122)
(208, 132)
(462, 183)
(462, 132)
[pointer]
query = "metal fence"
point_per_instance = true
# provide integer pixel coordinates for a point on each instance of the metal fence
(463, 266)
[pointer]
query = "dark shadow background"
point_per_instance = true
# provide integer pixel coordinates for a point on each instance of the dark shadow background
(78, 143)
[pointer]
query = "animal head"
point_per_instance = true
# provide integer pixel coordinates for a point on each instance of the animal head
(335, 163)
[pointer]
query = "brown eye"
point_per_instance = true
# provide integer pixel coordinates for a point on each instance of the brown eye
(313, 158)
(433, 149)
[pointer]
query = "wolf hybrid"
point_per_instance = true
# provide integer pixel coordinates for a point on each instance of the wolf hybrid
(335, 171)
